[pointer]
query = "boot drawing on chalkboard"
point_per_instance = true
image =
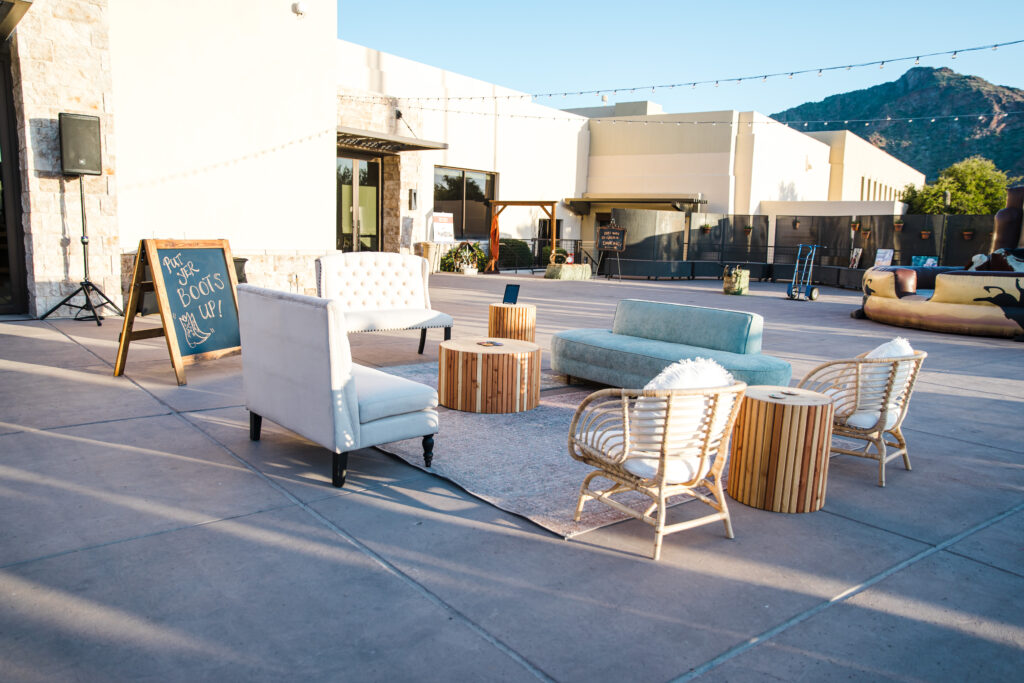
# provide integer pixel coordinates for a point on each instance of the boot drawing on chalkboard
(193, 335)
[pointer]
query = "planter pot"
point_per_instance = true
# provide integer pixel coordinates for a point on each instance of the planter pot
(469, 270)
(865, 234)
(898, 227)
(705, 230)
(926, 234)
(968, 234)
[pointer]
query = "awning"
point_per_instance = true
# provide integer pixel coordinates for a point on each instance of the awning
(383, 143)
(11, 13)
(680, 202)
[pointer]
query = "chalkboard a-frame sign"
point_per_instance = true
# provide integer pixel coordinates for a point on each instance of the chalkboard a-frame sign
(194, 283)
(611, 238)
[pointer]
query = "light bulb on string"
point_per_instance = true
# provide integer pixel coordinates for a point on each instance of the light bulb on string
(819, 72)
(917, 60)
(954, 55)
(882, 65)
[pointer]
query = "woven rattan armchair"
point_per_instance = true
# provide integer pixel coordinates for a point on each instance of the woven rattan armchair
(871, 397)
(660, 443)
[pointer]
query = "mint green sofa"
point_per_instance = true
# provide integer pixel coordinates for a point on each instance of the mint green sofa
(648, 336)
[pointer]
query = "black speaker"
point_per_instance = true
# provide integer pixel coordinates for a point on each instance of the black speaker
(80, 144)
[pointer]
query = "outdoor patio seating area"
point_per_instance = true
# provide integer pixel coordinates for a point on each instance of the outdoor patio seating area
(146, 536)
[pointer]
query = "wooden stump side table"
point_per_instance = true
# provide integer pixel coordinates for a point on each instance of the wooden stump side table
(489, 379)
(512, 321)
(780, 449)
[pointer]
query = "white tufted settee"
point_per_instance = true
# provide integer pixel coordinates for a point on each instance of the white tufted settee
(381, 291)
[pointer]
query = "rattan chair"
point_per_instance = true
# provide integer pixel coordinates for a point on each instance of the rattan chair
(660, 443)
(871, 397)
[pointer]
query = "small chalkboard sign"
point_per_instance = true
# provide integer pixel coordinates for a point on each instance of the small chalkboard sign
(194, 282)
(611, 239)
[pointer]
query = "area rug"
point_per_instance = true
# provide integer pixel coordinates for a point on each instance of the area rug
(518, 462)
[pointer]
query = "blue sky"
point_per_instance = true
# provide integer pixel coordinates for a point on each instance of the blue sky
(553, 46)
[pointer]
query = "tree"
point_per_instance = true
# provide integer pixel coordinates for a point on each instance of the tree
(975, 186)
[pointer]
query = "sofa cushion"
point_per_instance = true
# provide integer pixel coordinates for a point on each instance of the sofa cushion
(709, 328)
(381, 395)
(603, 356)
(395, 319)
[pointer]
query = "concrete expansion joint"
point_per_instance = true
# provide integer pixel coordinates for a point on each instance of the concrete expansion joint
(844, 596)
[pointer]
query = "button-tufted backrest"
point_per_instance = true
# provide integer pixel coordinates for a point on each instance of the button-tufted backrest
(373, 280)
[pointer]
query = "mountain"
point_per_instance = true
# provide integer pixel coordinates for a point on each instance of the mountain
(923, 93)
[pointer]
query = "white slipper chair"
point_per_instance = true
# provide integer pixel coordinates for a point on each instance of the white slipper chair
(298, 372)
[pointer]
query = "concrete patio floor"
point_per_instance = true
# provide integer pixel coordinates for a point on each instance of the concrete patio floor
(144, 536)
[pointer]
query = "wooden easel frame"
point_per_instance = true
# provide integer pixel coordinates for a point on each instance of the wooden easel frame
(147, 255)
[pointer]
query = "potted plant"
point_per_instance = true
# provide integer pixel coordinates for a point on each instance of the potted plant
(968, 233)
(466, 262)
(855, 226)
(926, 234)
(748, 229)
(705, 228)
(897, 225)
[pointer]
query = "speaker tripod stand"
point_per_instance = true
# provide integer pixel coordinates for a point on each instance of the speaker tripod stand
(86, 288)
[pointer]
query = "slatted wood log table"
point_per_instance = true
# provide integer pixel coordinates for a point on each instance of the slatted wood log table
(512, 321)
(780, 449)
(489, 379)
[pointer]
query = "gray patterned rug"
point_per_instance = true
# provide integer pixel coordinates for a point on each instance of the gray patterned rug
(518, 462)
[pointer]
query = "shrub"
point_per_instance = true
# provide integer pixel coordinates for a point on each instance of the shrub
(513, 253)
(464, 252)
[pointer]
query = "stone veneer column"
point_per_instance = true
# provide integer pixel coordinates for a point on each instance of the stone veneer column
(60, 62)
(367, 111)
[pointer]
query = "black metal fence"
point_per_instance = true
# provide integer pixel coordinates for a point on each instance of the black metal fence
(676, 244)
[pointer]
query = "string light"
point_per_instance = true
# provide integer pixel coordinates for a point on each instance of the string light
(569, 118)
(954, 54)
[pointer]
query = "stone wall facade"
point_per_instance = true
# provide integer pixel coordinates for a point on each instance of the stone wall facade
(400, 225)
(60, 62)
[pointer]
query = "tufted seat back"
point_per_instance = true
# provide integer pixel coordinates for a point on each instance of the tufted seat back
(372, 280)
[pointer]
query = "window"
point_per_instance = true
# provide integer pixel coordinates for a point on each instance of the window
(467, 196)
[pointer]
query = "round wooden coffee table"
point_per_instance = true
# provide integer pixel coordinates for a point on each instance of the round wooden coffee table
(780, 449)
(503, 378)
(512, 321)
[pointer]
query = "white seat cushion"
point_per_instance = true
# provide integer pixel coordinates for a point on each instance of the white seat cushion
(381, 395)
(395, 319)
(866, 419)
(677, 470)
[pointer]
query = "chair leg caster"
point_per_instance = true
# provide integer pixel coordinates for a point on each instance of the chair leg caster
(255, 425)
(428, 450)
(339, 469)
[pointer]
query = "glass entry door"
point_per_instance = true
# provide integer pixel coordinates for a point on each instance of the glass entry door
(359, 199)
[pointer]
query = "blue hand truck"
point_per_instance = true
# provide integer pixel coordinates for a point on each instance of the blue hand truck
(800, 288)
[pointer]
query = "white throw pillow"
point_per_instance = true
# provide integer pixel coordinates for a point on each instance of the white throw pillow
(895, 348)
(647, 431)
(692, 373)
(875, 375)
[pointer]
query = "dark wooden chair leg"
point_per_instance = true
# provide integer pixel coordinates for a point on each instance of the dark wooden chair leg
(339, 469)
(447, 333)
(428, 449)
(255, 424)
(423, 339)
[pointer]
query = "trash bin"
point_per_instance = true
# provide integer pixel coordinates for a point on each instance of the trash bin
(736, 281)
(430, 251)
